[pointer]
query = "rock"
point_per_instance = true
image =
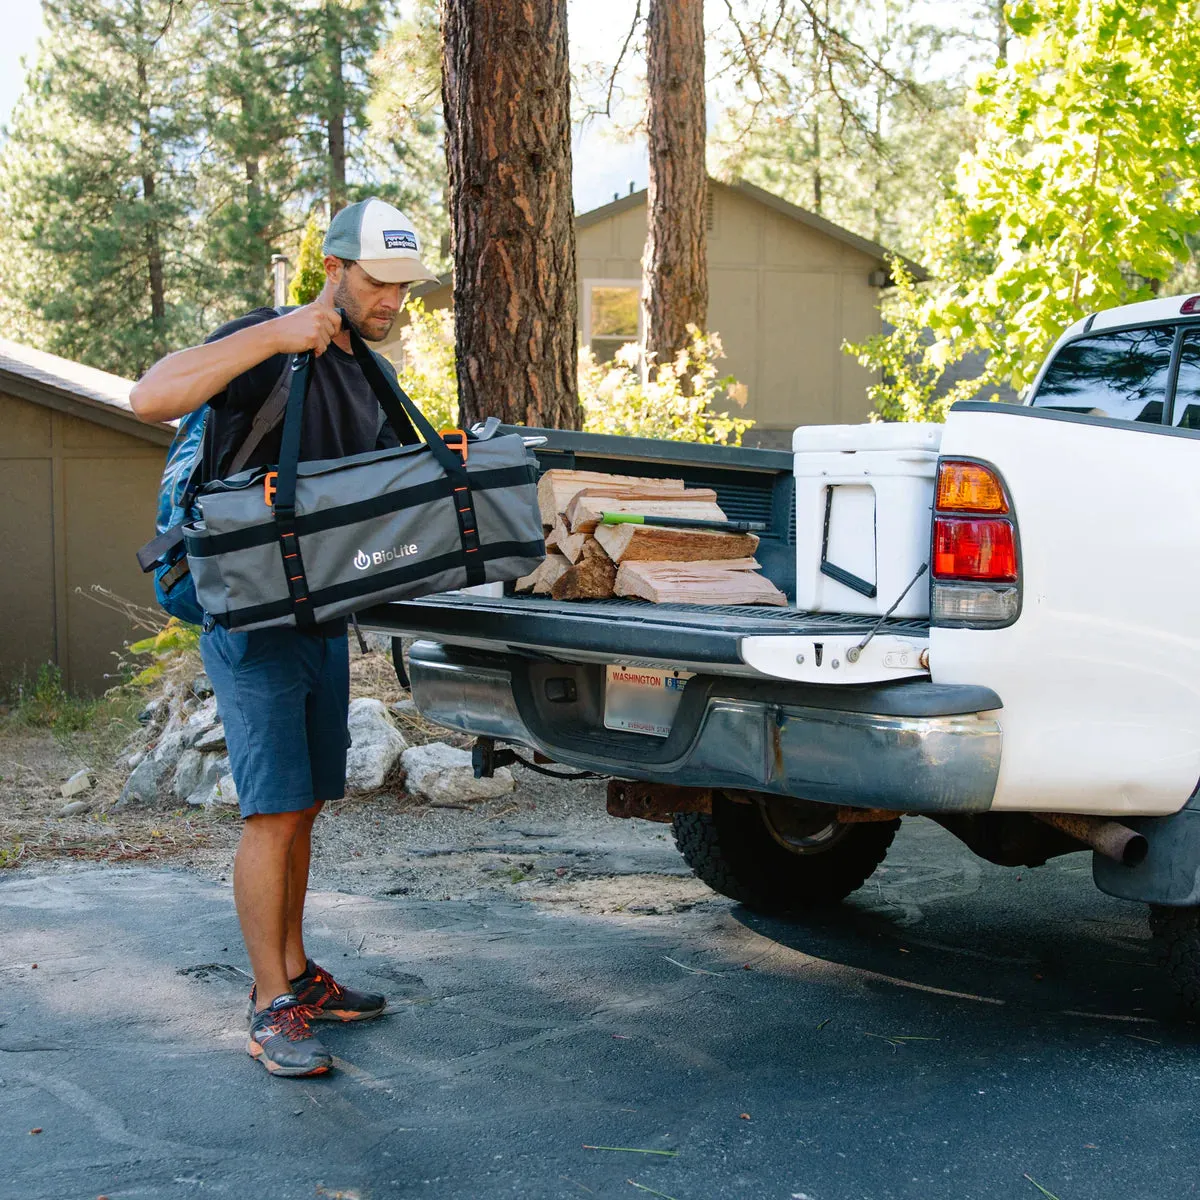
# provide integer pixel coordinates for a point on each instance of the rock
(188, 774)
(443, 774)
(214, 739)
(81, 781)
(375, 745)
(226, 791)
(380, 643)
(406, 708)
(214, 768)
(154, 711)
(202, 686)
(142, 786)
(201, 721)
(132, 760)
(170, 746)
(75, 809)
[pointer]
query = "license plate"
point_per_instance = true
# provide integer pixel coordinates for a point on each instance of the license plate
(642, 700)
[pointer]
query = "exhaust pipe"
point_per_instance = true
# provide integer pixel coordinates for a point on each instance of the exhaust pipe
(1110, 838)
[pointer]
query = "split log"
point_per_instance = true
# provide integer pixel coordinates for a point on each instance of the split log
(549, 573)
(558, 487)
(570, 545)
(729, 582)
(589, 579)
(656, 543)
(583, 513)
(592, 548)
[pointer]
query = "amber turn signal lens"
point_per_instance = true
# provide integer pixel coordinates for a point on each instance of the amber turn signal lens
(969, 487)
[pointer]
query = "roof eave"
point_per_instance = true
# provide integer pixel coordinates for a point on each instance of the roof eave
(49, 395)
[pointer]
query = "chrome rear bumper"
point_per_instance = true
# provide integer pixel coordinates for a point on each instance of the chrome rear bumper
(922, 752)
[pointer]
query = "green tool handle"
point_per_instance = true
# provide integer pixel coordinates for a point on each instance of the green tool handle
(612, 518)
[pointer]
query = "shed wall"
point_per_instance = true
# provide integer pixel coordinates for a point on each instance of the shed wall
(782, 296)
(78, 501)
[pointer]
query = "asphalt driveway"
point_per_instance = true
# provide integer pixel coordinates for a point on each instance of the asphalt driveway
(957, 1031)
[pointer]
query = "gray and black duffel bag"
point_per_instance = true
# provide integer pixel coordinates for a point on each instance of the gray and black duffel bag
(310, 541)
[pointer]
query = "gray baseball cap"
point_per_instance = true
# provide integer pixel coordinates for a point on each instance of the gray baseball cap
(381, 239)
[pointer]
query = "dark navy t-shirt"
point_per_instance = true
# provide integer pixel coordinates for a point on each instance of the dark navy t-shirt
(341, 415)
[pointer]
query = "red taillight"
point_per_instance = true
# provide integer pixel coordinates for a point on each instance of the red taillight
(980, 549)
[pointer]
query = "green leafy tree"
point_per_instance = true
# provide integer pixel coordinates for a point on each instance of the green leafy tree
(309, 279)
(94, 191)
(1081, 192)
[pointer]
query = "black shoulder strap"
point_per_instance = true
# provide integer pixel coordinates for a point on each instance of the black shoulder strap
(269, 415)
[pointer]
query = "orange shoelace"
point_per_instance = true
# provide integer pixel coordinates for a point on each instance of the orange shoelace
(292, 1022)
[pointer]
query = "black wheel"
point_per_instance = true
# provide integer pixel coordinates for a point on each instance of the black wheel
(1176, 933)
(780, 855)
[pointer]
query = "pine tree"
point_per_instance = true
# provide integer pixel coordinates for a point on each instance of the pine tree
(405, 115)
(309, 279)
(332, 44)
(506, 99)
(94, 200)
(249, 174)
(675, 263)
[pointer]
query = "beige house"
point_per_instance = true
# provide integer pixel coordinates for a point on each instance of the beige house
(79, 475)
(786, 288)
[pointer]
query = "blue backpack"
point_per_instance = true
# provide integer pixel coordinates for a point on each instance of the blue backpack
(182, 476)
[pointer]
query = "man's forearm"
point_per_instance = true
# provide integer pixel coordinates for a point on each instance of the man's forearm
(183, 381)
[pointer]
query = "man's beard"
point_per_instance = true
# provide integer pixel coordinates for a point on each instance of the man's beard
(343, 300)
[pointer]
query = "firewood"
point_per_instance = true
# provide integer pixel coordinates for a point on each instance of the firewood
(728, 582)
(549, 573)
(583, 514)
(570, 545)
(589, 579)
(526, 582)
(653, 543)
(558, 487)
(552, 538)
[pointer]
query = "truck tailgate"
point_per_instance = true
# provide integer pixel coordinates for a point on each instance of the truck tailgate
(613, 630)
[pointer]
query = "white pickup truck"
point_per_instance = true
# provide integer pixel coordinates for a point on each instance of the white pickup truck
(992, 623)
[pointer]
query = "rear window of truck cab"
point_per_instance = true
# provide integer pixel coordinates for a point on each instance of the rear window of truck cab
(1122, 375)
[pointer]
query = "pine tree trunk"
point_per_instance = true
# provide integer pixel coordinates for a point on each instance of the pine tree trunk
(675, 263)
(506, 99)
(154, 262)
(337, 116)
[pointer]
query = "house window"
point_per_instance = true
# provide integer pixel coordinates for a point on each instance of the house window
(612, 315)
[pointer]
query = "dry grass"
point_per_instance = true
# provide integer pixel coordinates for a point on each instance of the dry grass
(34, 762)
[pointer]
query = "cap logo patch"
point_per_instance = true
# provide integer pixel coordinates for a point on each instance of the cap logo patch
(399, 239)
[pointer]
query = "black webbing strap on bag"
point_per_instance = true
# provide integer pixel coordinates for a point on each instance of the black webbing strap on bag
(408, 421)
(284, 500)
(399, 407)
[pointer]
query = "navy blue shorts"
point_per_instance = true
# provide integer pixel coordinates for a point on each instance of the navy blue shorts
(283, 697)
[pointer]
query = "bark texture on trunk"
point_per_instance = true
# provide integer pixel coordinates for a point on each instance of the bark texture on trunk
(506, 99)
(154, 258)
(337, 117)
(675, 263)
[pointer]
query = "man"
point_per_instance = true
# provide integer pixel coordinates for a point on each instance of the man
(283, 694)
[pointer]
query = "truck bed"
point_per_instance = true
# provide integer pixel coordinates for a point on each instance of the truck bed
(751, 484)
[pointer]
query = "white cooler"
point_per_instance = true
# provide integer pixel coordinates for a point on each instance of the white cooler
(864, 499)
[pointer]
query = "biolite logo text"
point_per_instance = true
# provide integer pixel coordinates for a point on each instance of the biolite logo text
(376, 558)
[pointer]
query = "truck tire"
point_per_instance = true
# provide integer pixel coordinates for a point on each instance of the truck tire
(1176, 933)
(780, 856)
